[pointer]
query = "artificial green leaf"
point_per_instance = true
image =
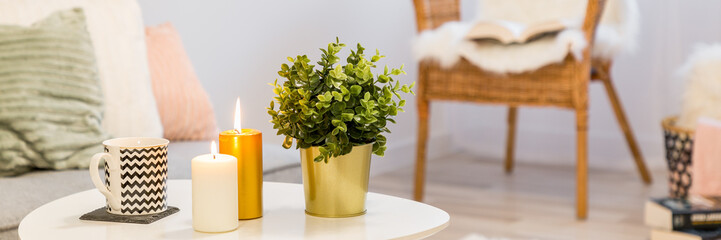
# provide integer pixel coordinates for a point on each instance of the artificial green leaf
(337, 73)
(338, 96)
(288, 142)
(383, 79)
(367, 75)
(347, 116)
(355, 90)
(344, 91)
(396, 71)
(338, 108)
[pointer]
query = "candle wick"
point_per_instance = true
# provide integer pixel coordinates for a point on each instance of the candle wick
(213, 156)
(237, 131)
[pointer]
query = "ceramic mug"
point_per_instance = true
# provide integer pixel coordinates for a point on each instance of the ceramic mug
(136, 173)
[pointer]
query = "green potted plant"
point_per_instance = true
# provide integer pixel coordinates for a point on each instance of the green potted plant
(337, 115)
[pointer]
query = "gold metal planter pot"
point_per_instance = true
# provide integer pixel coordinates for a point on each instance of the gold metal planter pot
(338, 188)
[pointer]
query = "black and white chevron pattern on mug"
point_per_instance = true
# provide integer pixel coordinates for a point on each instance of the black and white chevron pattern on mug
(107, 180)
(143, 177)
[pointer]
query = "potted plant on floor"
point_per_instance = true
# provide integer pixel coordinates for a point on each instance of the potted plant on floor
(337, 115)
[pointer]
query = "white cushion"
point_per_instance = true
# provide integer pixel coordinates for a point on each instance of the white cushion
(118, 36)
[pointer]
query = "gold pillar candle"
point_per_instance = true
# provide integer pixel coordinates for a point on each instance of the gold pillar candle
(247, 146)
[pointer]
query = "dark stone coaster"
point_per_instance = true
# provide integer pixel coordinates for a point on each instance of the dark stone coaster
(104, 216)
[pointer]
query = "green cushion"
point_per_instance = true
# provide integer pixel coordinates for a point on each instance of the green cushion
(50, 97)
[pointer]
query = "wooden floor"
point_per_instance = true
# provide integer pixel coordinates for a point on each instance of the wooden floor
(535, 202)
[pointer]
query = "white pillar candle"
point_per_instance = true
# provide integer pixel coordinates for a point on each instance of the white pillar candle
(215, 192)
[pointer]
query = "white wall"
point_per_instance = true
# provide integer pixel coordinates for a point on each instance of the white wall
(645, 83)
(237, 48)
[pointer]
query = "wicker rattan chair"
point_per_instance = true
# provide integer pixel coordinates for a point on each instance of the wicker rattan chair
(563, 84)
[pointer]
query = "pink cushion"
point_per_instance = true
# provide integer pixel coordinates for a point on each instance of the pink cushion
(706, 161)
(184, 107)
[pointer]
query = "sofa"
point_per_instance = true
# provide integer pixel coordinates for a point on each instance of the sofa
(122, 86)
(21, 195)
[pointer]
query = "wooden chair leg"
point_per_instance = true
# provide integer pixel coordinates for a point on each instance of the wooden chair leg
(582, 164)
(511, 137)
(423, 114)
(623, 122)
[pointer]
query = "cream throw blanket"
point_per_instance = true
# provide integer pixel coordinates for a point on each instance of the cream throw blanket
(50, 97)
(616, 33)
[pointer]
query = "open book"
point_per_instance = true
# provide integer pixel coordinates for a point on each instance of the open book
(508, 32)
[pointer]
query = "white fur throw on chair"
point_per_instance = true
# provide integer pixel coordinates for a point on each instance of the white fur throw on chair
(616, 33)
(702, 97)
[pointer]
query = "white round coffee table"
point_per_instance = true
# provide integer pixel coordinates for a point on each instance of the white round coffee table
(388, 217)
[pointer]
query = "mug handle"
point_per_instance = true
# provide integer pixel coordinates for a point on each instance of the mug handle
(95, 176)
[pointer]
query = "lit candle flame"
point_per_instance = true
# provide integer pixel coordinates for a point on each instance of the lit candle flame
(213, 149)
(236, 124)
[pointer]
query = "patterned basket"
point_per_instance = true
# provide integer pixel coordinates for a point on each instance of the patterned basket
(679, 143)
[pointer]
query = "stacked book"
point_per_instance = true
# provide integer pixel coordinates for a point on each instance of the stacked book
(695, 218)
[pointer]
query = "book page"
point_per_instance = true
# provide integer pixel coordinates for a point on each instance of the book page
(513, 27)
(508, 32)
(542, 29)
